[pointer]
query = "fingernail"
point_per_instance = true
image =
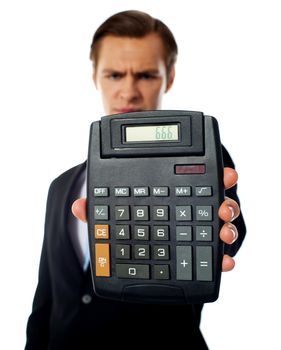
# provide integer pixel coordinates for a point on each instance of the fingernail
(231, 211)
(234, 234)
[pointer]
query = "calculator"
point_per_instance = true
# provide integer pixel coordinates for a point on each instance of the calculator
(154, 187)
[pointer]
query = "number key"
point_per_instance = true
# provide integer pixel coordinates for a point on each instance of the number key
(142, 251)
(161, 212)
(122, 251)
(122, 232)
(122, 212)
(161, 252)
(141, 233)
(161, 233)
(141, 212)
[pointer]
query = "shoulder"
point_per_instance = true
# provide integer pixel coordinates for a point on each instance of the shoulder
(227, 160)
(61, 191)
(70, 173)
(67, 178)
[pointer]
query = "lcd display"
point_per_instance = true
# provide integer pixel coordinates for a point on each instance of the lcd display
(152, 133)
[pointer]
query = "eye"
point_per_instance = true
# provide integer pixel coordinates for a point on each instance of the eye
(114, 76)
(146, 76)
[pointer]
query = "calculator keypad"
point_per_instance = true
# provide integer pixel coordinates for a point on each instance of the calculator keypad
(142, 241)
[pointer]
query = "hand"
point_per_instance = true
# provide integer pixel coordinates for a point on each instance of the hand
(228, 211)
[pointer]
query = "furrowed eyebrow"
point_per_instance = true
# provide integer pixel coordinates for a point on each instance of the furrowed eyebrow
(147, 71)
(111, 71)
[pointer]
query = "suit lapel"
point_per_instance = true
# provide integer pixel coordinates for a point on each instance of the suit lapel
(68, 197)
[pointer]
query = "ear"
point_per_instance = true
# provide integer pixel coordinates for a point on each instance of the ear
(94, 78)
(171, 78)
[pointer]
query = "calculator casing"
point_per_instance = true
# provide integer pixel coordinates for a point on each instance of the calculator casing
(113, 163)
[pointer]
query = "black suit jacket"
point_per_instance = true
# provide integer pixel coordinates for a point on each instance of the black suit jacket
(66, 313)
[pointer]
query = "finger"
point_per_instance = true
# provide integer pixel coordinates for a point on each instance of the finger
(78, 209)
(229, 210)
(230, 177)
(228, 233)
(228, 263)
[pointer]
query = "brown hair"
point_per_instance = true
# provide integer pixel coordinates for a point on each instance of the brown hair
(135, 24)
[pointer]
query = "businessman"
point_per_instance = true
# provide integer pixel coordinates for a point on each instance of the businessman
(133, 57)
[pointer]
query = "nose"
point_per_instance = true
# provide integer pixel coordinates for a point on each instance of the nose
(129, 91)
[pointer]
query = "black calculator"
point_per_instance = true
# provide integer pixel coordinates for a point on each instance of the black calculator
(154, 187)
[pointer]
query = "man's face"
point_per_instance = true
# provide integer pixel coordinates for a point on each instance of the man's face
(131, 73)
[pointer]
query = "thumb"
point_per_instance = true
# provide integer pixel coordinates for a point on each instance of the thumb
(78, 209)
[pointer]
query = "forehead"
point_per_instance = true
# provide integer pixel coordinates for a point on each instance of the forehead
(121, 52)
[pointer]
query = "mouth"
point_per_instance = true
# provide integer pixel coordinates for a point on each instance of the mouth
(128, 110)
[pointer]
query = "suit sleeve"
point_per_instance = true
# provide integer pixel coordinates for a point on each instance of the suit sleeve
(37, 331)
(232, 249)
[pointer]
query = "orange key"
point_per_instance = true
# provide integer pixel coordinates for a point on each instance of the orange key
(101, 231)
(102, 259)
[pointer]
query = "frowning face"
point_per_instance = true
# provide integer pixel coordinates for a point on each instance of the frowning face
(131, 73)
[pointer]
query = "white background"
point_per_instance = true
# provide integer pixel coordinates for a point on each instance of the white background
(228, 67)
